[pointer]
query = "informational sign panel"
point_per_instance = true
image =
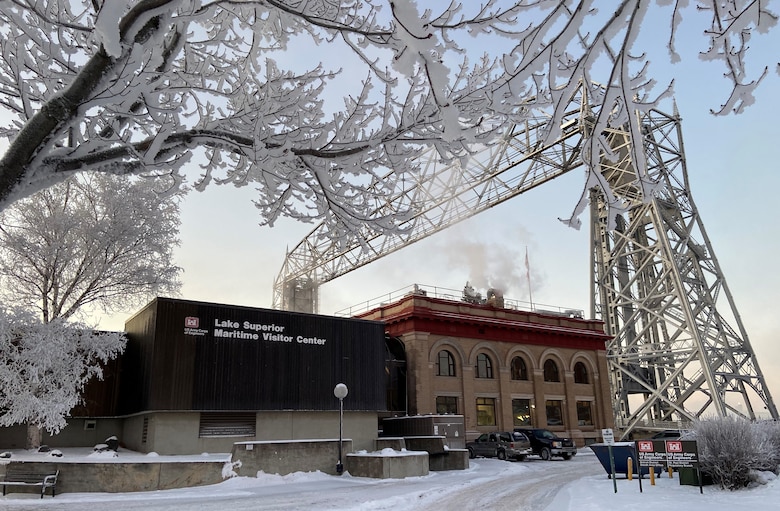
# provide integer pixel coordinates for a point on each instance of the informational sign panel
(651, 453)
(682, 454)
(668, 454)
(609, 436)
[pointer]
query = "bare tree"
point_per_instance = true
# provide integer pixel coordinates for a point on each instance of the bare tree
(152, 86)
(95, 240)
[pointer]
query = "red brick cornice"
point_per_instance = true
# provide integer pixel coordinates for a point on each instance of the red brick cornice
(515, 327)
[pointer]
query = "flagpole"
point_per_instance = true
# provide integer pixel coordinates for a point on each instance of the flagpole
(528, 276)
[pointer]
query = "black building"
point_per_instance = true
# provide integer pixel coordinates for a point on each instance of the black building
(197, 377)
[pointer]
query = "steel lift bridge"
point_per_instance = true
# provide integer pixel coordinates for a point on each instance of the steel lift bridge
(679, 350)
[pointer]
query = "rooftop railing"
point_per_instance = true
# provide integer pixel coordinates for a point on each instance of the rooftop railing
(456, 296)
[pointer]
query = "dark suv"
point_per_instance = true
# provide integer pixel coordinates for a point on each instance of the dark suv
(667, 434)
(547, 444)
(501, 445)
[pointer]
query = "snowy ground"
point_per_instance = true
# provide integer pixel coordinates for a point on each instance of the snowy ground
(580, 484)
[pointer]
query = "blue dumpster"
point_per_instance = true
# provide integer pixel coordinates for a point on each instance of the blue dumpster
(621, 451)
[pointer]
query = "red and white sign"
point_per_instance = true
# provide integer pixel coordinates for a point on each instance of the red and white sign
(191, 322)
(674, 446)
(645, 445)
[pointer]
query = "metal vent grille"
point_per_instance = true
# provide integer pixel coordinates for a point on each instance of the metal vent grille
(214, 424)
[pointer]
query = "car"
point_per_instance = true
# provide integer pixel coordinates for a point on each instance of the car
(500, 444)
(546, 444)
(667, 434)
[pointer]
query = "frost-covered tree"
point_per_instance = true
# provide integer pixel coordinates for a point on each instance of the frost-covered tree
(94, 240)
(45, 366)
(308, 100)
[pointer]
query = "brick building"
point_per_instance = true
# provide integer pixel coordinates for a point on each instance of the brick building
(501, 367)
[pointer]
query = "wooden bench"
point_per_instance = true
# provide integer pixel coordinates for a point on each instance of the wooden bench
(28, 474)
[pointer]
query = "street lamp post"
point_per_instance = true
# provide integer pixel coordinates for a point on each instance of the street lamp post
(340, 392)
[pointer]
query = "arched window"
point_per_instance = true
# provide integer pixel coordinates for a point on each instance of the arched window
(580, 373)
(551, 371)
(519, 370)
(446, 364)
(484, 366)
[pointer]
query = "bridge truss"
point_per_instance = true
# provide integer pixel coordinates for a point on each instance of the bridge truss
(678, 349)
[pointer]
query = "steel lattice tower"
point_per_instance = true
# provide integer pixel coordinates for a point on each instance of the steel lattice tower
(658, 287)
(656, 283)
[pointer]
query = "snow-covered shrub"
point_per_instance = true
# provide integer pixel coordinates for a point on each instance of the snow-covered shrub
(731, 449)
(769, 432)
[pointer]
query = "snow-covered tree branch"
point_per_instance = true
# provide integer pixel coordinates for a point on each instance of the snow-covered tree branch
(311, 102)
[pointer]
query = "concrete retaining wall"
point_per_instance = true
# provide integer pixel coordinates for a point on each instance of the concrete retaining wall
(453, 459)
(286, 457)
(112, 477)
(384, 466)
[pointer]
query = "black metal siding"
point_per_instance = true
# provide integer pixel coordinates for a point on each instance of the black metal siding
(136, 376)
(190, 368)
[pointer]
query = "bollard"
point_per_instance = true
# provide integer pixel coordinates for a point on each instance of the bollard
(630, 464)
(671, 472)
(652, 476)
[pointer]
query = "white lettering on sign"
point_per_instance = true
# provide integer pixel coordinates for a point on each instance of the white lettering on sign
(235, 334)
(277, 337)
(229, 329)
(262, 327)
(310, 340)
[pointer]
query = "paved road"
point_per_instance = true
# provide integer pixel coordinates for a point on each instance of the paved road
(531, 490)
(488, 484)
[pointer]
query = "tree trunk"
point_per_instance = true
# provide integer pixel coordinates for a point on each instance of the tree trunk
(34, 436)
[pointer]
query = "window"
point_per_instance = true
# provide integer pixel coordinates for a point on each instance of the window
(521, 412)
(519, 370)
(580, 373)
(484, 366)
(446, 364)
(446, 404)
(551, 371)
(486, 411)
(554, 409)
(584, 417)
(227, 424)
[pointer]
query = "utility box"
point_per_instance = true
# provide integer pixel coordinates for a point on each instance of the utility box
(451, 427)
(690, 477)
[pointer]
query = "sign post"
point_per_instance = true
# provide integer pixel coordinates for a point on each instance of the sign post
(609, 438)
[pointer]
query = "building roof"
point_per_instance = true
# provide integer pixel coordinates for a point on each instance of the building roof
(417, 312)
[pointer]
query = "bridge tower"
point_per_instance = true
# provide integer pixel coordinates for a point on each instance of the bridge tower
(679, 349)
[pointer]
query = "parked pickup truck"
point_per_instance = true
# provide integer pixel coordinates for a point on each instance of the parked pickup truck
(546, 444)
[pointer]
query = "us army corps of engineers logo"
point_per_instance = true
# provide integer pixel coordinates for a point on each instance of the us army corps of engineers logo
(192, 326)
